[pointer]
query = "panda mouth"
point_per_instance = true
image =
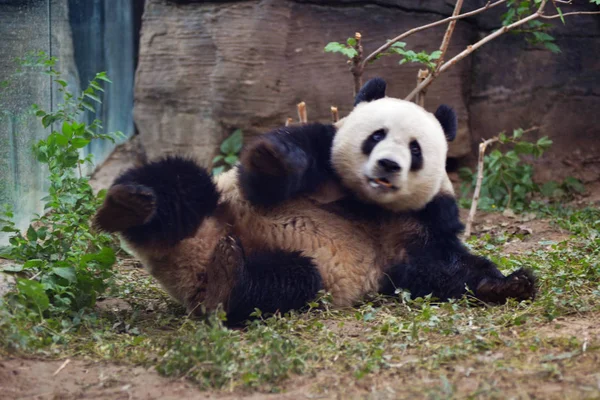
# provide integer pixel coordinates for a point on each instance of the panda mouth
(381, 183)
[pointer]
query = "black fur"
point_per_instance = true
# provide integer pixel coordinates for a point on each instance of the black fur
(447, 118)
(273, 281)
(369, 143)
(439, 264)
(416, 157)
(183, 194)
(374, 89)
(286, 162)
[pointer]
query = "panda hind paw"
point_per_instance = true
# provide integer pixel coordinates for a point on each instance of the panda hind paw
(125, 206)
(520, 285)
(223, 271)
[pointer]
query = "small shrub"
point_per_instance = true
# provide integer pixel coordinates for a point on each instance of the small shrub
(63, 264)
(507, 180)
(230, 150)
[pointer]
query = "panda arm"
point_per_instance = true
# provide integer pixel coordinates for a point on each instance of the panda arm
(442, 266)
(286, 162)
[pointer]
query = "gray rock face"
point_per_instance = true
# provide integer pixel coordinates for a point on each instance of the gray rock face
(207, 68)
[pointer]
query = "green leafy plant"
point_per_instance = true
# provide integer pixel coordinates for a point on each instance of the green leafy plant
(507, 180)
(535, 31)
(230, 150)
(346, 49)
(62, 264)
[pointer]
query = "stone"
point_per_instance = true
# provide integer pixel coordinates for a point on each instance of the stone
(208, 68)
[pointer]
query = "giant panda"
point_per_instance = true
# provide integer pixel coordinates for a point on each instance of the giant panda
(258, 236)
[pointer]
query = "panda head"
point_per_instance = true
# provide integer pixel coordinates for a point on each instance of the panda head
(392, 152)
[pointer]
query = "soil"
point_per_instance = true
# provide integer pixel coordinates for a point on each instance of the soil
(579, 377)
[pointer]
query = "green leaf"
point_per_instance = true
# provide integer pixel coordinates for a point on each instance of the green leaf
(217, 159)
(335, 47)
(88, 106)
(34, 292)
(218, 170)
(12, 268)
(517, 133)
(31, 234)
(351, 42)
(102, 76)
(105, 257)
(435, 55)
(93, 97)
(231, 159)
(562, 18)
(61, 82)
(233, 144)
(544, 142)
(552, 47)
(524, 148)
(96, 86)
(79, 143)
(67, 130)
(48, 120)
(67, 273)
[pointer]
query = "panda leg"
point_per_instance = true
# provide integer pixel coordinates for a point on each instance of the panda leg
(445, 279)
(272, 281)
(285, 162)
(490, 286)
(160, 203)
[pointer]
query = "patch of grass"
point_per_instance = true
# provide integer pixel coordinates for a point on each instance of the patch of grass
(420, 345)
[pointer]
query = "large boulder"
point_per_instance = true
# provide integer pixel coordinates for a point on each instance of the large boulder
(207, 68)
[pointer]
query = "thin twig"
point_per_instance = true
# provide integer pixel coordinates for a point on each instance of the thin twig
(67, 361)
(448, 34)
(386, 46)
(421, 76)
(302, 115)
(335, 115)
(569, 13)
(357, 66)
(473, 47)
(480, 158)
(288, 121)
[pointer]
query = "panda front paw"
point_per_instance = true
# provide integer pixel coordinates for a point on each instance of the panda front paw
(273, 155)
(223, 271)
(520, 285)
(125, 206)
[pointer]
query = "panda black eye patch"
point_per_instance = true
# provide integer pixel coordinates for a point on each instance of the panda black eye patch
(372, 140)
(416, 156)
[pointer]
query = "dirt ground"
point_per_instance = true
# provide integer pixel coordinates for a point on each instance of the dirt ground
(81, 379)
(579, 377)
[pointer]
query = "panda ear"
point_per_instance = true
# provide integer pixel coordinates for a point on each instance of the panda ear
(374, 89)
(447, 118)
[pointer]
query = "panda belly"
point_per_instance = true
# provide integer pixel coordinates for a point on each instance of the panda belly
(342, 250)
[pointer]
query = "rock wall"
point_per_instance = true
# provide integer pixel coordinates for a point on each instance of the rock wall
(207, 68)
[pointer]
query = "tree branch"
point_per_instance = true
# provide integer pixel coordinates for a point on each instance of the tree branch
(476, 193)
(386, 46)
(569, 13)
(473, 47)
(448, 34)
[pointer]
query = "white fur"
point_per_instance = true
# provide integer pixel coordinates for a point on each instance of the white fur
(404, 122)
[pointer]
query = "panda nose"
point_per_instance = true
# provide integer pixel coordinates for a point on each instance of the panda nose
(389, 165)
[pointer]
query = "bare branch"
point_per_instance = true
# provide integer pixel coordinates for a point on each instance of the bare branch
(480, 158)
(448, 34)
(357, 67)
(386, 46)
(302, 115)
(421, 76)
(475, 46)
(335, 116)
(570, 13)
